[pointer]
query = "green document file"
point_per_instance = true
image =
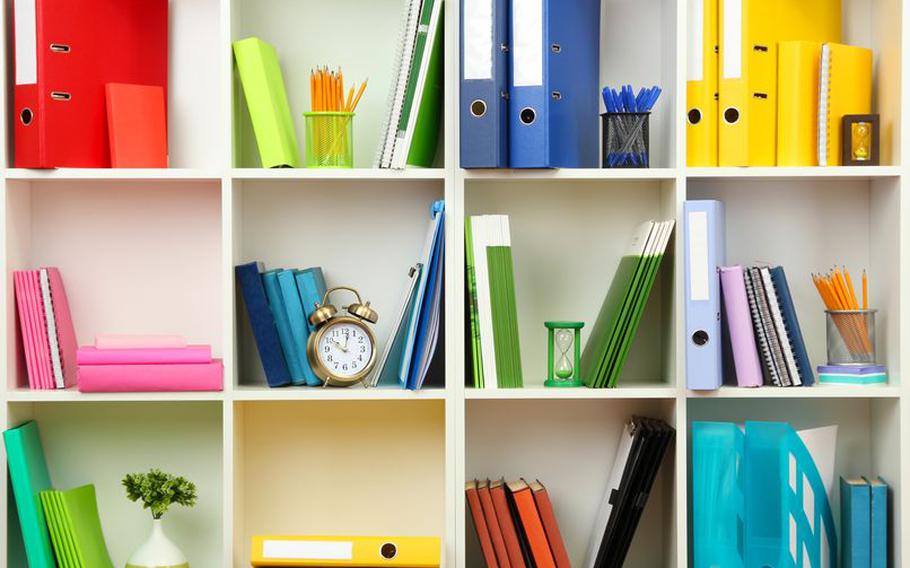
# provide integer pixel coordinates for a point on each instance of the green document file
(425, 141)
(267, 101)
(29, 476)
(76, 528)
(505, 316)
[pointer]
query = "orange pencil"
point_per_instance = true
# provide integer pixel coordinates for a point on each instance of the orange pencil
(363, 87)
(865, 292)
(850, 288)
(347, 105)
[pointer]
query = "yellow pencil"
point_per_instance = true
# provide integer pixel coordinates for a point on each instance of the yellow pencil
(363, 87)
(347, 105)
(865, 292)
(850, 288)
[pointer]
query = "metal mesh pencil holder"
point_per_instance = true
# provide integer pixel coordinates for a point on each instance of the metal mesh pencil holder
(851, 337)
(626, 142)
(329, 139)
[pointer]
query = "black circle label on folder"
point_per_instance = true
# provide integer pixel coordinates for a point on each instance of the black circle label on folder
(694, 116)
(527, 116)
(26, 116)
(388, 551)
(731, 115)
(700, 337)
(478, 108)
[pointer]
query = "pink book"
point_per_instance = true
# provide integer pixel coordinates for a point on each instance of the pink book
(26, 330)
(151, 378)
(739, 322)
(66, 334)
(115, 341)
(33, 326)
(189, 354)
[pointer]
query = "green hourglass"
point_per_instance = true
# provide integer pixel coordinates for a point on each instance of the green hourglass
(563, 353)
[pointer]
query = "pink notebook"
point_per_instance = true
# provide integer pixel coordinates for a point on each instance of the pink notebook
(739, 322)
(189, 354)
(33, 328)
(152, 378)
(114, 341)
(63, 321)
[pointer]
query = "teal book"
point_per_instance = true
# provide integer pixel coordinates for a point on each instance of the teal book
(300, 330)
(311, 286)
(276, 304)
(879, 529)
(29, 477)
(855, 517)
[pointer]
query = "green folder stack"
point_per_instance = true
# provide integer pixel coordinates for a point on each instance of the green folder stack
(613, 332)
(263, 87)
(29, 476)
(72, 517)
(493, 312)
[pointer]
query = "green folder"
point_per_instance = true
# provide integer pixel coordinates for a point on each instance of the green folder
(473, 322)
(505, 317)
(29, 476)
(267, 101)
(425, 141)
(76, 528)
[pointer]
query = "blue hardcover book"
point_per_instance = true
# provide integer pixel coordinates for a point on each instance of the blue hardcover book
(300, 331)
(553, 90)
(879, 494)
(855, 517)
(311, 286)
(484, 84)
(262, 321)
(28, 476)
(276, 303)
(794, 333)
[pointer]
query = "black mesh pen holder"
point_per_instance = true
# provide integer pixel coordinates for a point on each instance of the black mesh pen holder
(625, 139)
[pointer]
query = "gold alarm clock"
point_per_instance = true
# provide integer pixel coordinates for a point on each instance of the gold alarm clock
(342, 349)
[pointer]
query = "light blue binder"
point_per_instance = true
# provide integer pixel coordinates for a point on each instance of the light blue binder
(298, 323)
(553, 90)
(484, 104)
(279, 311)
(789, 522)
(705, 250)
(718, 509)
(311, 286)
(855, 523)
(879, 524)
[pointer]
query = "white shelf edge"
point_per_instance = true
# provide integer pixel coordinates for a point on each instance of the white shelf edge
(580, 174)
(102, 174)
(581, 393)
(337, 174)
(26, 395)
(251, 394)
(817, 391)
(788, 173)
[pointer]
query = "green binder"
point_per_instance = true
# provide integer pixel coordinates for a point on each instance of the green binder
(425, 141)
(267, 101)
(29, 476)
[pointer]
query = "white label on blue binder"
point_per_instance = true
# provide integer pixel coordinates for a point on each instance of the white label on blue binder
(477, 40)
(308, 549)
(695, 70)
(699, 282)
(527, 43)
(733, 39)
(26, 30)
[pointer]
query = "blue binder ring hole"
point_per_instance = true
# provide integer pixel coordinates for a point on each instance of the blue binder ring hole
(527, 116)
(478, 108)
(700, 337)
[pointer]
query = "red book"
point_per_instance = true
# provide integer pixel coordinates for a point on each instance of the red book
(550, 526)
(136, 126)
(480, 524)
(507, 524)
(489, 513)
(531, 524)
(65, 52)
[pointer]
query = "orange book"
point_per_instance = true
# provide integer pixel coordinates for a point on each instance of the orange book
(480, 524)
(551, 527)
(507, 524)
(486, 503)
(531, 524)
(136, 126)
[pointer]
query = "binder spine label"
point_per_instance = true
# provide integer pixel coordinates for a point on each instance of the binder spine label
(733, 39)
(695, 69)
(527, 43)
(477, 39)
(699, 273)
(26, 32)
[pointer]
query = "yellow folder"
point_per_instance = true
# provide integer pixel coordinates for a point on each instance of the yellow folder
(358, 551)
(845, 79)
(749, 32)
(797, 102)
(701, 85)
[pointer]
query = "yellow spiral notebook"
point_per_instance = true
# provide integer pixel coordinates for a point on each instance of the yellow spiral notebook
(845, 87)
(359, 551)
(798, 64)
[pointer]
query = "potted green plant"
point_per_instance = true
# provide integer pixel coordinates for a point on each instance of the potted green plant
(157, 491)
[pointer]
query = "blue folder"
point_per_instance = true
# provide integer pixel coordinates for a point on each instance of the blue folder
(311, 286)
(553, 91)
(299, 328)
(263, 323)
(704, 245)
(285, 335)
(484, 105)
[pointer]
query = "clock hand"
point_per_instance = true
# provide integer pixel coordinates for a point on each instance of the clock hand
(344, 347)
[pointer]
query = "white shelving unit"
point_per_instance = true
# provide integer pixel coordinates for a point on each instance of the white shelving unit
(154, 251)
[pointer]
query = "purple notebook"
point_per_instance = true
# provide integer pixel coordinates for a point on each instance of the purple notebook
(739, 322)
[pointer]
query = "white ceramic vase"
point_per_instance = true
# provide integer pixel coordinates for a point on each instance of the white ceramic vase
(158, 551)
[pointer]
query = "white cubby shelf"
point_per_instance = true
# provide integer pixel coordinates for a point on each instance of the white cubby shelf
(150, 250)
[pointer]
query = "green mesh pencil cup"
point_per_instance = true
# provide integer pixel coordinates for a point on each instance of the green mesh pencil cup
(329, 139)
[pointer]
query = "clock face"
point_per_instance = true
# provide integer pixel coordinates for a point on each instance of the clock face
(345, 349)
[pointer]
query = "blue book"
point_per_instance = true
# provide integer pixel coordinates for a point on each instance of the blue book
(795, 334)
(855, 517)
(879, 493)
(265, 329)
(276, 303)
(311, 286)
(28, 476)
(300, 331)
